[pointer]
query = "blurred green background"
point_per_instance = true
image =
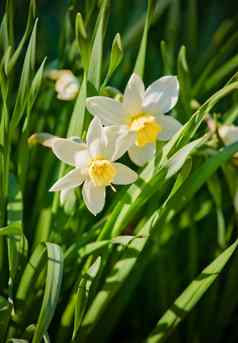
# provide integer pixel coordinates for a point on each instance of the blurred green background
(127, 16)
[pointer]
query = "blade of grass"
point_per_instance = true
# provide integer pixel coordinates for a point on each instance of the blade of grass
(140, 60)
(27, 68)
(49, 255)
(95, 64)
(30, 20)
(185, 83)
(5, 315)
(52, 290)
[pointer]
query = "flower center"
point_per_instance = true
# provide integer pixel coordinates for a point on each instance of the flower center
(146, 129)
(101, 172)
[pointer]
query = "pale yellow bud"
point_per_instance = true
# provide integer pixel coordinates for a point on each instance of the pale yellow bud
(67, 85)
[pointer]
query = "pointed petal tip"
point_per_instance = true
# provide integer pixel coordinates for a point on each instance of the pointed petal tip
(53, 189)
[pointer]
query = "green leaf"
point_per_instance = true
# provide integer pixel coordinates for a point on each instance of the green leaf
(215, 190)
(166, 58)
(17, 340)
(83, 292)
(115, 58)
(29, 332)
(52, 290)
(4, 39)
(96, 247)
(17, 244)
(136, 29)
(198, 178)
(80, 27)
(77, 120)
(49, 255)
(82, 40)
(172, 30)
(182, 176)
(90, 7)
(184, 81)
(221, 73)
(192, 25)
(212, 64)
(10, 20)
(11, 230)
(176, 162)
(140, 60)
(5, 315)
(36, 85)
(95, 64)
(23, 151)
(97, 314)
(30, 20)
(190, 297)
(22, 94)
(6, 58)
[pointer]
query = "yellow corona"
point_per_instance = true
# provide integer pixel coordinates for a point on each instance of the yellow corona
(146, 129)
(101, 172)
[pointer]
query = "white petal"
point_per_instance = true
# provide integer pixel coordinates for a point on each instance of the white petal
(118, 141)
(124, 142)
(140, 156)
(64, 194)
(75, 139)
(82, 158)
(134, 94)
(162, 95)
(97, 148)
(65, 150)
(94, 197)
(95, 131)
(124, 175)
(228, 133)
(108, 110)
(71, 180)
(111, 136)
(169, 126)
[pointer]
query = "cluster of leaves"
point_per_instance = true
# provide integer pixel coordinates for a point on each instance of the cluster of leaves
(133, 272)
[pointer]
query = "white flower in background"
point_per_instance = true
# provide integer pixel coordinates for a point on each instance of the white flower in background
(94, 165)
(229, 135)
(67, 85)
(140, 115)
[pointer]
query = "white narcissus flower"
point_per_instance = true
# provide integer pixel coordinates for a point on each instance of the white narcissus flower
(140, 115)
(67, 85)
(94, 165)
